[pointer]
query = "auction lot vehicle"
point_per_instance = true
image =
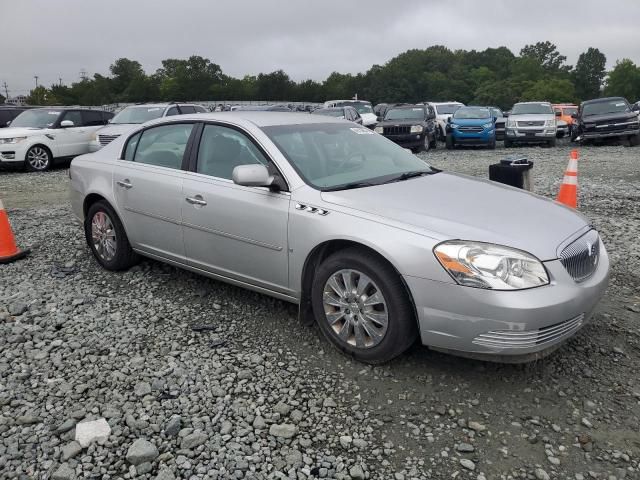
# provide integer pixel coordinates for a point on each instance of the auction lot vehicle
(471, 126)
(372, 242)
(346, 113)
(443, 111)
(39, 136)
(412, 126)
(606, 118)
(8, 113)
(364, 108)
(531, 122)
(127, 119)
(500, 123)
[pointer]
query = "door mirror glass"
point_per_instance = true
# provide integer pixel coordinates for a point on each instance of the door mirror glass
(66, 124)
(252, 176)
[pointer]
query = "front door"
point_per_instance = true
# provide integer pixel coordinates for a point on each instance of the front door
(148, 188)
(73, 140)
(231, 230)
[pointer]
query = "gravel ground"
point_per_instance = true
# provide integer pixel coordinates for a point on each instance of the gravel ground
(200, 380)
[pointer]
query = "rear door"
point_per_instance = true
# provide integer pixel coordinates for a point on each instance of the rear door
(148, 187)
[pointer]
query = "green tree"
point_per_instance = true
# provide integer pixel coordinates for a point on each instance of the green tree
(274, 86)
(590, 73)
(2, 98)
(191, 79)
(547, 55)
(554, 90)
(38, 96)
(624, 81)
(128, 79)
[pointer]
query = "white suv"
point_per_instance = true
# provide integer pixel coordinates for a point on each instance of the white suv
(364, 108)
(443, 111)
(133, 115)
(531, 122)
(38, 136)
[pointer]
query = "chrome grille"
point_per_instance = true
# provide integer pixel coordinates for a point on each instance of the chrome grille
(471, 129)
(581, 258)
(397, 130)
(534, 123)
(106, 139)
(501, 339)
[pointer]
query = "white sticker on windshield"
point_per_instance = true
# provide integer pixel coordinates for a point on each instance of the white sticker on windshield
(53, 113)
(416, 109)
(152, 109)
(362, 131)
(621, 104)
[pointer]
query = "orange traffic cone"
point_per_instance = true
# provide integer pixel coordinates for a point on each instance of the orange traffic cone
(568, 194)
(9, 251)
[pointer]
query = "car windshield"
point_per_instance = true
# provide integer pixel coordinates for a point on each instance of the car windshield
(136, 115)
(333, 156)
(330, 112)
(531, 109)
(601, 108)
(36, 119)
(361, 107)
(405, 114)
(471, 113)
(496, 112)
(447, 108)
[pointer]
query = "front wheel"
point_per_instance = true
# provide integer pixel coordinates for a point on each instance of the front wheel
(551, 143)
(492, 145)
(362, 307)
(508, 143)
(449, 142)
(38, 159)
(426, 145)
(107, 239)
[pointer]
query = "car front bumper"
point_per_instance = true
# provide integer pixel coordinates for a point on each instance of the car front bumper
(13, 153)
(408, 140)
(507, 326)
(473, 138)
(538, 135)
(620, 133)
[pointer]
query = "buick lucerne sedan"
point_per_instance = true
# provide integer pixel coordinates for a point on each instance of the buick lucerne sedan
(376, 246)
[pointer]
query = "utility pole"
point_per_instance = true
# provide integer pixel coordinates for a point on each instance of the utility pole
(60, 81)
(6, 90)
(37, 96)
(36, 77)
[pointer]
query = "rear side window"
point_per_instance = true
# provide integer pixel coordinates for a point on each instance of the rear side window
(200, 109)
(163, 146)
(187, 109)
(172, 111)
(92, 118)
(131, 147)
(107, 116)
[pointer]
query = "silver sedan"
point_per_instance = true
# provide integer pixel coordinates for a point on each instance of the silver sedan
(377, 247)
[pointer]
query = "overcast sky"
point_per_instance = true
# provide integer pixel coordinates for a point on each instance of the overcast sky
(307, 39)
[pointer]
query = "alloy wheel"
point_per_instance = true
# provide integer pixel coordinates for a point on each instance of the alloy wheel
(103, 236)
(355, 308)
(38, 158)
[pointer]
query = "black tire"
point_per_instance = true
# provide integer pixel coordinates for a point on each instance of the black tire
(38, 159)
(401, 330)
(634, 140)
(426, 144)
(434, 143)
(551, 143)
(508, 143)
(492, 145)
(124, 257)
(450, 143)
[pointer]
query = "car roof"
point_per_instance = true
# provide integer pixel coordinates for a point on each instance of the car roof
(605, 99)
(54, 107)
(257, 118)
(533, 103)
(445, 103)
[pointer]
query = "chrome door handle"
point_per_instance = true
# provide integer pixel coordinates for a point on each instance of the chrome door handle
(124, 184)
(197, 200)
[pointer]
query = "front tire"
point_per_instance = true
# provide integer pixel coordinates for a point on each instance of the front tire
(551, 143)
(492, 145)
(107, 239)
(508, 143)
(38, 159)
(426, 145)
(450, 143)
(362, 306)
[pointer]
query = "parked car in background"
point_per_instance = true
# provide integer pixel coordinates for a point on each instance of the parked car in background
(471, 126)
(382, 108)
(363, 235)
(501, 122)
(364, 108)
(606, 118)
(8, 113)
(443, 111)
(564, 115)
(531, 122)
(261, 108)
(125, 120)
(411, 126)
(348, 113)
(38, 137)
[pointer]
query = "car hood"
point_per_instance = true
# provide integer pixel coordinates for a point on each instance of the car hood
(471, 122)
(451, 206)
(610, 117)
(11, 132)
(534, 117)
(118, 128)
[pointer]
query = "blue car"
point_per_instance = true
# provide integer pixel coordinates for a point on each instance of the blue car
(471, 126)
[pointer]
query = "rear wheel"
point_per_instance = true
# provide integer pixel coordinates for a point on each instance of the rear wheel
(450, 143)
(38, 159)
(107, 239)
(362, 307)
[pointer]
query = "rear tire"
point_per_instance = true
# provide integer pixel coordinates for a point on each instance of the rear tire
(107, 238)
(356, 280)
(450, 143)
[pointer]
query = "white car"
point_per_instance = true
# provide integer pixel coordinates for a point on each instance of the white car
(127, 118)
(443, 111)
(364, 108)
(37, 137)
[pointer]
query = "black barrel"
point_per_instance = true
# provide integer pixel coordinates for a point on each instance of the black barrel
(514, 171)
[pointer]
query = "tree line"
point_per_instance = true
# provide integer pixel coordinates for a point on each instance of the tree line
(495, 76)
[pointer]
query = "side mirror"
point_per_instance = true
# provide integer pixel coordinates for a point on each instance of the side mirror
(495, 119)
(252, 176)
(558, 114)
(66, 123)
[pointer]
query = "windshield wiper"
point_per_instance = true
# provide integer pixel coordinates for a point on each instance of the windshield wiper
(349, 186)
(408, 175)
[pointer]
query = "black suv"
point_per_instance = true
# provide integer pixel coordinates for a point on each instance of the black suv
(605, 118)
(410, 126)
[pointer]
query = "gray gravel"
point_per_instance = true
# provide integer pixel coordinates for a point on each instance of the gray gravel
(259, 396)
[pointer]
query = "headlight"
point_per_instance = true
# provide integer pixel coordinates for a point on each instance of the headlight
(416, 129)
(550, 123)
(487, 125)
(12, 140)
(378, 130)
(483, 265)
(511, 124)
(454, 125)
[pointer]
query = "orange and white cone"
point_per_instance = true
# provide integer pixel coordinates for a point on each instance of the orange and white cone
(9, 251)
(568, 194)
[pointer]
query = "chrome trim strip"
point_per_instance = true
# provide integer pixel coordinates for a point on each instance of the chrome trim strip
(153, 215)
(234, 237)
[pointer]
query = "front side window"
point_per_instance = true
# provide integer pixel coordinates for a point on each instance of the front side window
(222, 149)
(172, 111)
(163, 146)
(331, 156)
(187, 109)
(200, 109)
(532, 109)
(37, 118)
(92, 118)
(74, 116)
(130, 150)
(137, 115)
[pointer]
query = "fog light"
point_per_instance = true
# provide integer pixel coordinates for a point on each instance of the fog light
(9, 155)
